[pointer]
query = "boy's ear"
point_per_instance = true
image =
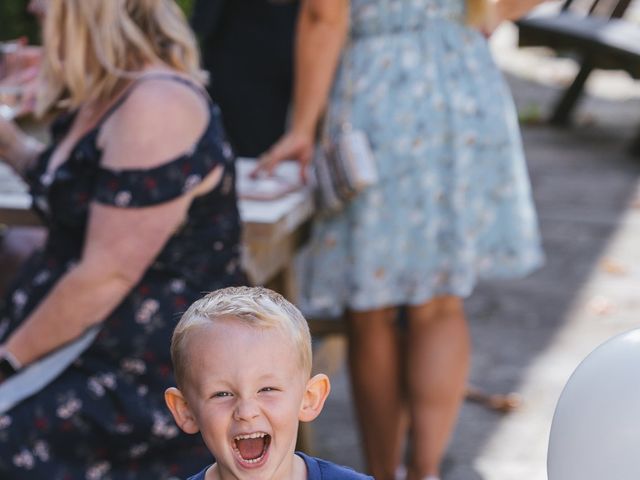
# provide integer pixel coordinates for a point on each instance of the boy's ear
(180, 410)
(317, 391)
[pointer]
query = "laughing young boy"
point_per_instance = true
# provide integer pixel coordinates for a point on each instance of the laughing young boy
(242, 361)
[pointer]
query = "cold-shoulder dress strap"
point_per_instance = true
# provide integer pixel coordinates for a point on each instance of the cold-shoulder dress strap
(131, 188)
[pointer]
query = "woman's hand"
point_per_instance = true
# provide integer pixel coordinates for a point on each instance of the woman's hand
(513, 9)
(22, 67)
(291, 146)
(28, 77)
(487, 15)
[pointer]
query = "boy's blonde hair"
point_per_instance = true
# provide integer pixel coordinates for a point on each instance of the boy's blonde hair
(90, 46)
(255, 306)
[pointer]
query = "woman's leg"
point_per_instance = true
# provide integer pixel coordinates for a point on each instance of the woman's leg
(376, 376)
(438, 351)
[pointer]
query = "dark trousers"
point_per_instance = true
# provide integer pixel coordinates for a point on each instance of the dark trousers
(248, 53)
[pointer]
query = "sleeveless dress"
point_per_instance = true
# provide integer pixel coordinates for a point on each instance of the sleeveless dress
(104, 417)
(453, 202)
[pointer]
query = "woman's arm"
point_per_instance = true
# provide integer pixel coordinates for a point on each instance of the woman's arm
(514, 9)
(157, 123)
(486, 15)
(321, 32)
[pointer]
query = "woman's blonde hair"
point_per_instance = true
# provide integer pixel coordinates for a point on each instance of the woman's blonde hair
(92, 45)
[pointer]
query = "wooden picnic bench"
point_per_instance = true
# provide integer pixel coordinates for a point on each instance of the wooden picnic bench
(596, 33)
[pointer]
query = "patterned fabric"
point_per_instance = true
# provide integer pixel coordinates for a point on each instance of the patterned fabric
(454, 200)
(317, 469)
(104, 417)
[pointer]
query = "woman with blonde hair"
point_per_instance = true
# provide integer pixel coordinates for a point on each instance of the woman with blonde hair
(137, 192)
(452, 203)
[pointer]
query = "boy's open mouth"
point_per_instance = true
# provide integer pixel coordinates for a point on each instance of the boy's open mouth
(252, 447)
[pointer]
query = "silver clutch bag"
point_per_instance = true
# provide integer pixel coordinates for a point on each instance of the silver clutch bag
(343, 167)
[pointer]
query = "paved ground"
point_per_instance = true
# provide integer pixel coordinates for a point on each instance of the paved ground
(530, 334)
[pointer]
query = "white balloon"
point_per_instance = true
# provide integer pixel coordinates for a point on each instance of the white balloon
(595, 434)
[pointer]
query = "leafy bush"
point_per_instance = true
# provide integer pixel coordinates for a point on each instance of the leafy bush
(186, 6)
(15, 21)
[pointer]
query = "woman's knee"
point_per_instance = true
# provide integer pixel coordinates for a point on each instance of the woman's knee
(445, 307)
(371, 322)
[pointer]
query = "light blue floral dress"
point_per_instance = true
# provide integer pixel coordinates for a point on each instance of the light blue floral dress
(453, 203)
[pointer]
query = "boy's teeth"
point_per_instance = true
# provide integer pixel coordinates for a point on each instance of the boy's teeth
(250, 435)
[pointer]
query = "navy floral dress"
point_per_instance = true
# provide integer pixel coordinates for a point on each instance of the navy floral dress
(104, 417)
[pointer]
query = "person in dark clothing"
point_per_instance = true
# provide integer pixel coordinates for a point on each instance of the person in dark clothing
(247, 47)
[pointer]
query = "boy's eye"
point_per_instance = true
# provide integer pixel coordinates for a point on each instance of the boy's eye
(221, 394)
(268, 389)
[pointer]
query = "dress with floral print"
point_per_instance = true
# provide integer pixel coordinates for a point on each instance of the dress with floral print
(453, 202)
(104, 417)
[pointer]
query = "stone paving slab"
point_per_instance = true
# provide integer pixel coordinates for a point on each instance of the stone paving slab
(529, 335)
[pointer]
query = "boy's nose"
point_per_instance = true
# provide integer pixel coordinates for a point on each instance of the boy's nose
(246, 409)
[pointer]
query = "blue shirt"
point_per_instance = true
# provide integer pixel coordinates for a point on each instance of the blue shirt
(317, 469)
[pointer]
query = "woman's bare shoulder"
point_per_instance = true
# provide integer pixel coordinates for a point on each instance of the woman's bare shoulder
(160, 119)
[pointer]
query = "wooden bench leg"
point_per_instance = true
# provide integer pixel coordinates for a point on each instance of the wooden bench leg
(564, 107)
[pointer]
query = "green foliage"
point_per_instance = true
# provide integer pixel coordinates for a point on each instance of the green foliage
(186, 6)
(530, 114)
(15, 21)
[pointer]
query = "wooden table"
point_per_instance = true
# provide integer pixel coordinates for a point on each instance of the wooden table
(272, 229)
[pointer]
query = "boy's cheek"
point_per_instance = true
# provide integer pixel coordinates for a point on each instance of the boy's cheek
(280, 403)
